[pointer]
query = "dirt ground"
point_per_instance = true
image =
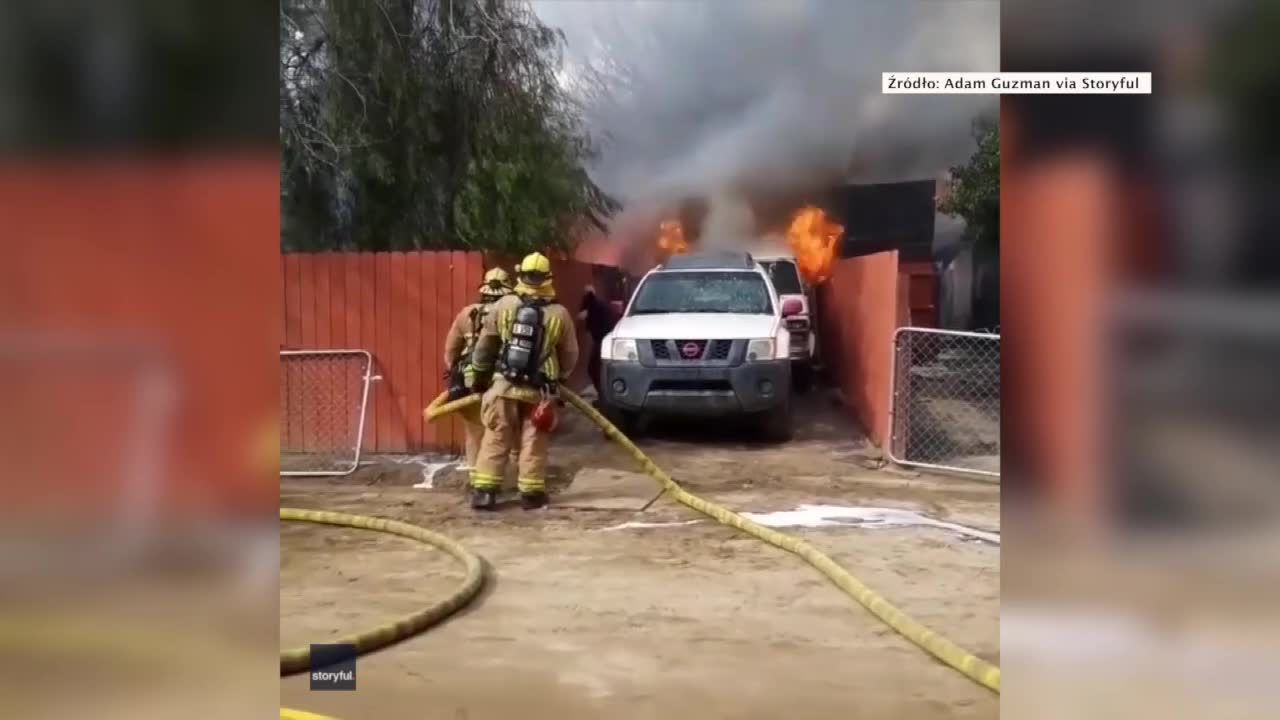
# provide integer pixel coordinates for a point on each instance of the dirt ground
(691, 620)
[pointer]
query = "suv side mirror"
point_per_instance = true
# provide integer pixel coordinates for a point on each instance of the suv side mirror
(791, 306)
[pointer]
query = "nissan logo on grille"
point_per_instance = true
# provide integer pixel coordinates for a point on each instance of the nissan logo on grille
(690, 350)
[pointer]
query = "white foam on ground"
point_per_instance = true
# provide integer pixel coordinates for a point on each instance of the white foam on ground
(872, 518)
(431, 468)
(868, 518)
(641, 525)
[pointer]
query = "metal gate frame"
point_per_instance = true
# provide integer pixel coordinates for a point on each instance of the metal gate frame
(369, 377)
(893, 400)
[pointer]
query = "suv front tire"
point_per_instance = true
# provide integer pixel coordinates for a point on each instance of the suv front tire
(630, 423)
(778, 425)
(802, 377)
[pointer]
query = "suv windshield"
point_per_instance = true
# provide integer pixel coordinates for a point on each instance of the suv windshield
(703, 292)
(785, 277)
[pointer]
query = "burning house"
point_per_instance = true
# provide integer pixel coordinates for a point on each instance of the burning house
(954, 285)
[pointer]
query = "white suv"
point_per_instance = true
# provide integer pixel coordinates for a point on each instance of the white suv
(704, 335)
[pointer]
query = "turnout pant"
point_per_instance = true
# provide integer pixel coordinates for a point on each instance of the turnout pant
(473, 433)
(507, 428)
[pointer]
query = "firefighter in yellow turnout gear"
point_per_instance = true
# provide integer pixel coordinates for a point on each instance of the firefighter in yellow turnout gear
(527, 345)
(461, 342)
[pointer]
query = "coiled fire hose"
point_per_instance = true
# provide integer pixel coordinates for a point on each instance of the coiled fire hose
(968, 664)
(299, 659)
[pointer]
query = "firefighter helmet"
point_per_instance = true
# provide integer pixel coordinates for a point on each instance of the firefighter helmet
(534, 270)
(496, 283)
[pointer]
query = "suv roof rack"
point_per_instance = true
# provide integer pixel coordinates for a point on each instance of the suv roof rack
(711, 260)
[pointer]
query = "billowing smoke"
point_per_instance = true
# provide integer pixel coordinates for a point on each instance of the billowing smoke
(729, 220)
(717, 100)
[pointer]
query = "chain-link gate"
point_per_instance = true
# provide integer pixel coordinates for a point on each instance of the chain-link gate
(324, 396)
(945, 407)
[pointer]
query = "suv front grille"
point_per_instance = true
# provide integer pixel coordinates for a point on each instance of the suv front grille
(691, 350)
(691, 385)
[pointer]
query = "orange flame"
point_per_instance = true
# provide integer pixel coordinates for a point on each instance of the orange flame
(671, 239)
(814, 239)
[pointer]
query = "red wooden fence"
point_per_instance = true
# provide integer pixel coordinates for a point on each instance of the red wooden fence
(920, 283)
(398, 306)
(863, 303)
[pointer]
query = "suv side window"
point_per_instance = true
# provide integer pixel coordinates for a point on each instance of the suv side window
(785, 276)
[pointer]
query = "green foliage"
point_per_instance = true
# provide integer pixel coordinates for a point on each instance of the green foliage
(1244, 71)
(975, 188)
(419, 124)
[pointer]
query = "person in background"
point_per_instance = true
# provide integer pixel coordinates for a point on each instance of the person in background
(598, 317)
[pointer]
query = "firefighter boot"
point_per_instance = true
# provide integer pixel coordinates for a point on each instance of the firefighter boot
(533, 500)
(484, 499)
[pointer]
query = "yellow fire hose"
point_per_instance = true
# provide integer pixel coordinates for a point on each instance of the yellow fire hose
(290, 714)
(299, 659)
(970, 665)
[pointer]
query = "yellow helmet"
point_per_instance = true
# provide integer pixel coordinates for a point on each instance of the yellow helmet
(496, 283)
(534, 270)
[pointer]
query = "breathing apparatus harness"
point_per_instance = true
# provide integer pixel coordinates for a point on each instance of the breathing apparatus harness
(456, 374)
(520, 360)
(494, 288)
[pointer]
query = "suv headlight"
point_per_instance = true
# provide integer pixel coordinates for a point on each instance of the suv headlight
(624, 349)
(758, 350)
